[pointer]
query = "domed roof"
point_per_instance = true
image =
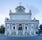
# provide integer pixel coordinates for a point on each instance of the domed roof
(20, 8)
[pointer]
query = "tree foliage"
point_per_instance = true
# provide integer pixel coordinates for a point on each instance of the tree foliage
(40, 30)
(2, 30)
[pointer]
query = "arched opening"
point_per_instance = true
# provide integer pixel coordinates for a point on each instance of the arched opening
(20, 27)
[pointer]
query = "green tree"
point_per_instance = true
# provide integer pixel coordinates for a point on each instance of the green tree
(2, 29)
(40, 30)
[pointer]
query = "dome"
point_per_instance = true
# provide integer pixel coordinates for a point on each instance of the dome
(20, 8)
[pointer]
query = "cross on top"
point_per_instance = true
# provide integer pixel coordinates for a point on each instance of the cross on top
(20, 2)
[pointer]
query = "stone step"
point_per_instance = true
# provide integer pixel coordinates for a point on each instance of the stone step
(20, 38)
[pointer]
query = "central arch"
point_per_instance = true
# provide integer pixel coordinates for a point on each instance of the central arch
(20, 29)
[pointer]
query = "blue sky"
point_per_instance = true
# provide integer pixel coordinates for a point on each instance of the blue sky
(34, 5)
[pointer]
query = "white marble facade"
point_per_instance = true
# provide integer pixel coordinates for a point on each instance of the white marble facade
(21, 23)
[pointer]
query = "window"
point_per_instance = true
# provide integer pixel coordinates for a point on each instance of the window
(20, 28)
(13, 24)
(26, 24)
(20, 24)
(13, 27)
(25, 27)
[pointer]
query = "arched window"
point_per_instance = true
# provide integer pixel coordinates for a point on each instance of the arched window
(13, 27)
(25, 27)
